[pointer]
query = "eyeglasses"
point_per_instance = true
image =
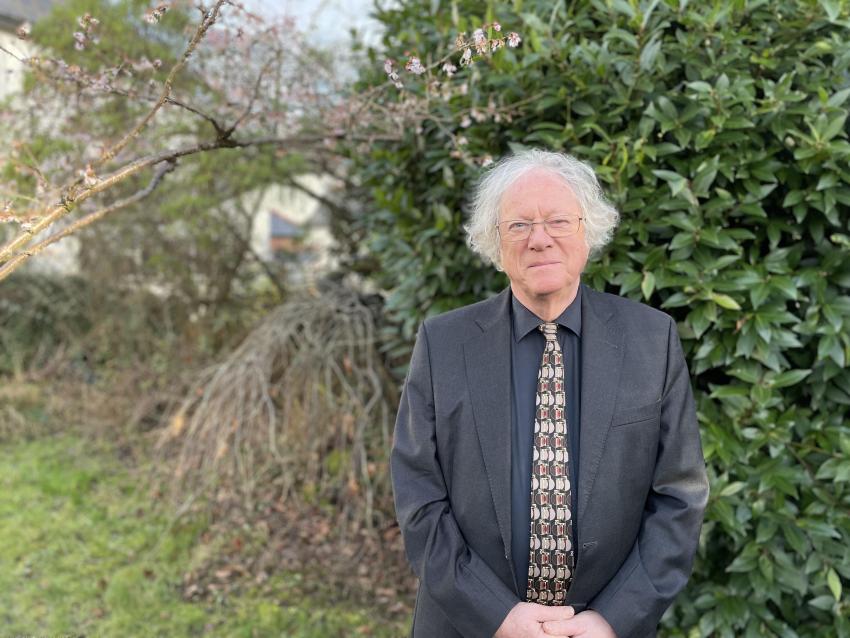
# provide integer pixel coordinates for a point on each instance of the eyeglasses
(519, 229)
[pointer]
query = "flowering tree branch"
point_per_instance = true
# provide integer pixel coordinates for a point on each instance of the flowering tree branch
(267, 84)
(209, 18)
(11, 251)
(15, 262)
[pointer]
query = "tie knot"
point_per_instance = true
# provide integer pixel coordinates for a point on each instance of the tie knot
(549, 330)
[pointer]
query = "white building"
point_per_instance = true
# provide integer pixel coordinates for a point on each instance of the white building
(293, 222)
(14, 13)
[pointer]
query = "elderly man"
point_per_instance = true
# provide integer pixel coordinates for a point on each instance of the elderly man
(546, 463)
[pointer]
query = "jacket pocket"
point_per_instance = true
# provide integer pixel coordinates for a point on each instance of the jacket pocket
(636, 415)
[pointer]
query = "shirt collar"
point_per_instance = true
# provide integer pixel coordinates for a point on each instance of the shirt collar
(524, 321)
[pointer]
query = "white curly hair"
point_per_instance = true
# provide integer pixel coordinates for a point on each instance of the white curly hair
(600, 217)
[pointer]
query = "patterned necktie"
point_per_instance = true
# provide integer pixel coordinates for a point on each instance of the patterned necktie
(551, 558)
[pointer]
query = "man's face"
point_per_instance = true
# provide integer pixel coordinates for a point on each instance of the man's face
(542, 266)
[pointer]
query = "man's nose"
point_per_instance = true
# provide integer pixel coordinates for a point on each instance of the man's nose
(539, 238)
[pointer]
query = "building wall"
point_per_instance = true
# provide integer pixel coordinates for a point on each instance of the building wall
(12, 71)
(302, 210)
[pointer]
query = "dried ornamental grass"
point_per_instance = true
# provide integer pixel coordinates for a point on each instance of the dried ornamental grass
(302, 402)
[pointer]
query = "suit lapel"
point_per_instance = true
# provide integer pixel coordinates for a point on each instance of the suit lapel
(601, 362)
(488, 372)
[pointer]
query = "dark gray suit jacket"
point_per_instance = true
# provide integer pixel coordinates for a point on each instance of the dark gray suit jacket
(642, 487)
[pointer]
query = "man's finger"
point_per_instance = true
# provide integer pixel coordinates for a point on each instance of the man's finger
(568, 627)
(545, 613)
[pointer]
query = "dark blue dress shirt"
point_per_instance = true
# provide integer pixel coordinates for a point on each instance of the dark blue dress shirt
(527, 345)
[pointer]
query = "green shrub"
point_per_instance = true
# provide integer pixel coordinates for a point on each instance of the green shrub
(719, 130)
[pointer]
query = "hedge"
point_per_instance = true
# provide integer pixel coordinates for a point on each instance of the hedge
(720, 132)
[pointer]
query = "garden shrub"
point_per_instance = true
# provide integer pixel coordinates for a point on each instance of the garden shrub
(719, 130)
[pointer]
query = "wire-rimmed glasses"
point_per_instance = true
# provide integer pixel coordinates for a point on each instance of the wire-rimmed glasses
(520, 229)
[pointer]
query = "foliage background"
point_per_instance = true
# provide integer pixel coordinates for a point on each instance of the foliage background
(719, 131)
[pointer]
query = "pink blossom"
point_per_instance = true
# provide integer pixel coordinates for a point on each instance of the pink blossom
(142, 65)
(449, 69)
(514, 39)
(87, 22)
(415, 66)
(466, 58)
(496, 27)
(391, 73)
(89, 177)
(24, 31)
(100, 83)
(480, 40)
(486, 160)
(154, 15)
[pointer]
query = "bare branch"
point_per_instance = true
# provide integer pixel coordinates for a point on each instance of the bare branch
(251, 102)
(248, 248)
(19, 59)
(314, 195)
(219, 129)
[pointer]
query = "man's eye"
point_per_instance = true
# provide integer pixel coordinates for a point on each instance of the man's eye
(517, 226)
(560, 222)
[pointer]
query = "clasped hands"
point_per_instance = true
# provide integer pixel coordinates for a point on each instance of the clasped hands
(530, 620)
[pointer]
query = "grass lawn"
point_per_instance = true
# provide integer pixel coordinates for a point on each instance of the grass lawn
(85, 553)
